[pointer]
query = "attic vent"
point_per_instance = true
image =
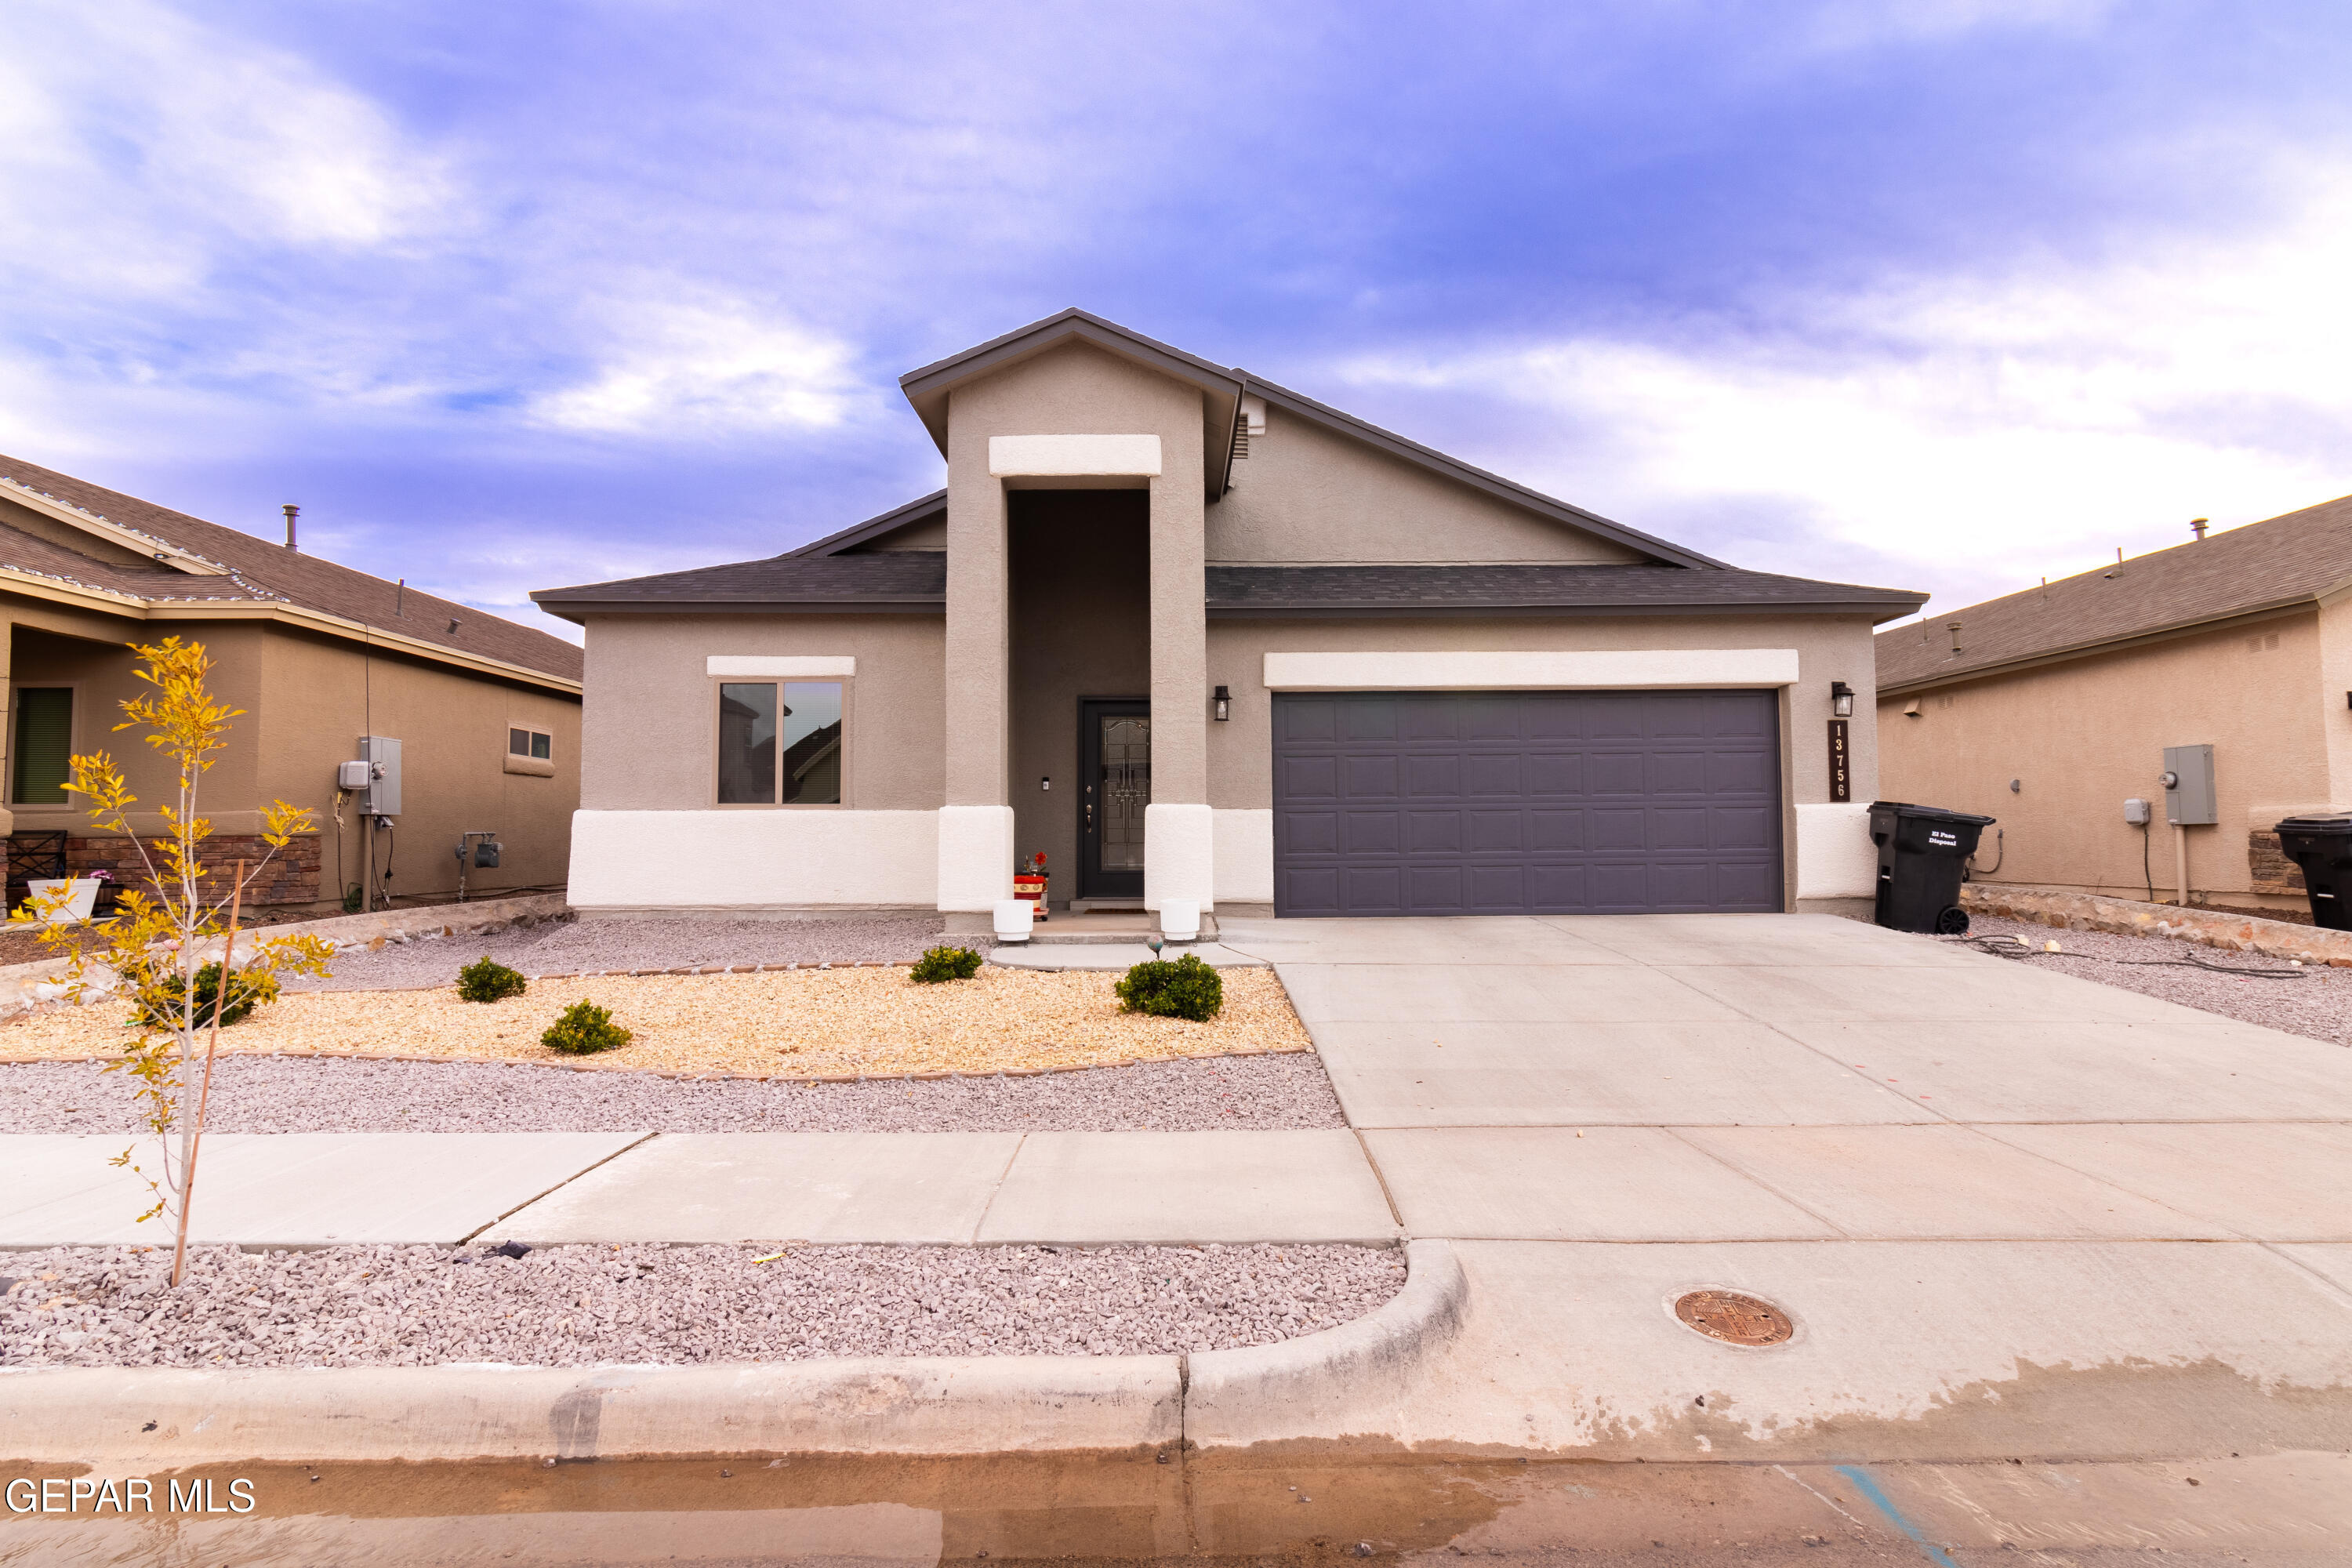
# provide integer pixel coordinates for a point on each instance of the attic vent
(1249, 419)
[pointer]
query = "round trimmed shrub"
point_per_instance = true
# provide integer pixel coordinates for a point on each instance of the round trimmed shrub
(246, 992)
(940, 963)
(1186, 988)
(487, 980)
(583, 1030)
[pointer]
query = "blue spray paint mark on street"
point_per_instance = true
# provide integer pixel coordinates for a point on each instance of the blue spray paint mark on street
(1879, 1500)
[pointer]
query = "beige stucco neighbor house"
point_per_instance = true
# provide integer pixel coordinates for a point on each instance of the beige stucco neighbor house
(2051, 707)
(487, 712)
(1198, 637)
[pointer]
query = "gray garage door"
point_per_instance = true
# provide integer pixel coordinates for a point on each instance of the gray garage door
(1508, 802)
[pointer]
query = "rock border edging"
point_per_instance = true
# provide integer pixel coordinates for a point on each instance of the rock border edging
(168, 1416)
(2131, 916)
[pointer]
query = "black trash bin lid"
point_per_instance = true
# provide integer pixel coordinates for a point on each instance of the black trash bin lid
(2320, 825)
(1932, 813)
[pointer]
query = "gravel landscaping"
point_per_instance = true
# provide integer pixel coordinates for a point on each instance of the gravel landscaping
(802, 1022)
(2316, 1003)
(581, 1306)
(573, 946)
(328, 1094)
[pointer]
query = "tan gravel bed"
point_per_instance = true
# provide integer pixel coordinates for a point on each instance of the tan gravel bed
(802, 1022)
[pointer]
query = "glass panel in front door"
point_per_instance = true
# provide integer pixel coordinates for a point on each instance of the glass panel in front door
(1126, 790)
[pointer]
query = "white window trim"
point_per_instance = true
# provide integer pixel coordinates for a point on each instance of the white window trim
(781, 666)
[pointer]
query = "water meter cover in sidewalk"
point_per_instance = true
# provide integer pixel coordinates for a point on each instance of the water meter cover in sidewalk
(1736, 1318)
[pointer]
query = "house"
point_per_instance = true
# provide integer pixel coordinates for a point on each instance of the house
(2051, 708)
(487, 712)
(1199, 637)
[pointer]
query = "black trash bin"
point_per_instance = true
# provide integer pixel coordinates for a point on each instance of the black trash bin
(1921, 850)
(2322, 846)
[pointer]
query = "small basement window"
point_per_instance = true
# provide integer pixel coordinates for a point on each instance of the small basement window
(780, 743)
(44, 742)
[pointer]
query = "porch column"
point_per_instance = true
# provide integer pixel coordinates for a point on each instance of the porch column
(976, 819)
(1179, 857)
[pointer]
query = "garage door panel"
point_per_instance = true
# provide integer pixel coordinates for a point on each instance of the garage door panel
(1309, 832)
(1495, 832)
(1432, 778)
(1435, 891)
(1375, 720)
(1617, 774)
(1373, 890)
(1509, 802)
(1432, 832)
(1678, 773)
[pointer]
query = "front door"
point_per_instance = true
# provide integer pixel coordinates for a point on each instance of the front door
(1115, 763)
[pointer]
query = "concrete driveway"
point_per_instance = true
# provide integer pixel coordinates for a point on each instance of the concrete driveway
(1964, 1179)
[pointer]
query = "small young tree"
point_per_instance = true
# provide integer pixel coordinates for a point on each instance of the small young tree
(152, 951)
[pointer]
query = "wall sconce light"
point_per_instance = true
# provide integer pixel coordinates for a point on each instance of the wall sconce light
(1841, 700)
(1224, 704)
(1046, 782)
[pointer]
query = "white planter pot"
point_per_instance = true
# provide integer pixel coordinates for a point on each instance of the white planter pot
(1013, 918)
(1180, 920)
(85, 898)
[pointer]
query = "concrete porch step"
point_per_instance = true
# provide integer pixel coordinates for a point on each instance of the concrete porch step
(1129, 927)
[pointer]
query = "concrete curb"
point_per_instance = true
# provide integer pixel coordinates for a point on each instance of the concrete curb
(1351, 1379)
(980, 1405)
(2128, 917)
(1344, 1380)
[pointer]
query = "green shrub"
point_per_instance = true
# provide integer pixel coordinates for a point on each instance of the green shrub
(583, 1030)
(487, 980)
(947, 964)
(246, 992)
(1186, 988)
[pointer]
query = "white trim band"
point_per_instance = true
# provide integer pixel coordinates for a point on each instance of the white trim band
(1071, 456)
(1614, 670)
(782, 667)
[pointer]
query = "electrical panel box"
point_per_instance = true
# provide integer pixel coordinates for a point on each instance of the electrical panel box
(2136, 812)
(2188, 799)
(382, 755)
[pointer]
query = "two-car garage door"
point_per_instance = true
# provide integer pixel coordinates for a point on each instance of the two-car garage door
(1452, 803)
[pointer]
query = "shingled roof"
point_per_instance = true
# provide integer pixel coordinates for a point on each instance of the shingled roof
(226, 567)
(2261, 568)
(916, 581)
(1538, 589)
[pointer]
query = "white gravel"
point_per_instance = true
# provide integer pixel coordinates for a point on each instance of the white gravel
(2316, 1003)
(329, 1094)
(571, 946)
(579, 1306)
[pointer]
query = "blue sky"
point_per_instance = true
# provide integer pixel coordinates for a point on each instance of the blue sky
(1947, 294)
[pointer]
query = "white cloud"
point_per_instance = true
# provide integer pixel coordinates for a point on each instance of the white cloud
(715, 367)
(1974, 433)
(141, 145)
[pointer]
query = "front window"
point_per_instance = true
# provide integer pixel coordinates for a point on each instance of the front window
(44, 742)
(780, 743)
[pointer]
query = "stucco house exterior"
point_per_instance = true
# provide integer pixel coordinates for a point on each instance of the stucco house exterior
(1197, 636)
(487, 712)
(2048, 708)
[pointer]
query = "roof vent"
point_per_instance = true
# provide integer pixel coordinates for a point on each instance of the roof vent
(1955, 639)
(1249, 419)
(2196, 526)
(291, 511)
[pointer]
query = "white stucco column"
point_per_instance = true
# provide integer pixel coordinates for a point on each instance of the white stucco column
(1179, 834)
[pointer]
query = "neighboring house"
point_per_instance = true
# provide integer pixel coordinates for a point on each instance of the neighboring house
(487, 712)
(1199, 637)
(2051, 707)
